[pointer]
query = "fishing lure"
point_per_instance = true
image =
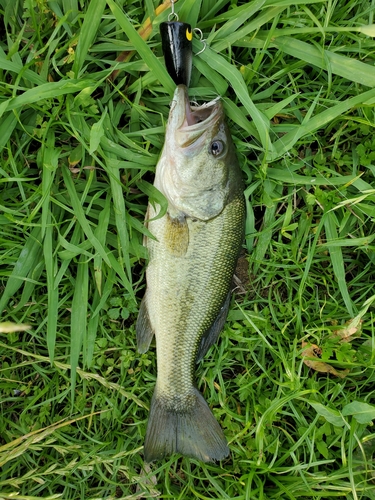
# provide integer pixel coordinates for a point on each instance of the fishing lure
(176, 40)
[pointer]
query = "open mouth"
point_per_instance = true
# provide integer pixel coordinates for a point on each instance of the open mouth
(201, 115)
(197, 120)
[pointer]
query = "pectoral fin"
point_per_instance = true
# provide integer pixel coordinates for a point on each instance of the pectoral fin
(211, 336)
(144, 328)
(176, 235)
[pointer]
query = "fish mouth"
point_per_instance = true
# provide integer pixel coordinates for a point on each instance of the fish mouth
(195, 121)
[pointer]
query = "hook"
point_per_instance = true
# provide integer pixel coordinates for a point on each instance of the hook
(201, 39)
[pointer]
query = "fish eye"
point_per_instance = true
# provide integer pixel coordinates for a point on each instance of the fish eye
(217, 147)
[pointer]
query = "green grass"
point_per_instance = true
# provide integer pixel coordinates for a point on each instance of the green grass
(78, 152)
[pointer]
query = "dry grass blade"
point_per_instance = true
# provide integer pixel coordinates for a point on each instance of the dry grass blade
(9, 327)
(311, 354)
(15, 448)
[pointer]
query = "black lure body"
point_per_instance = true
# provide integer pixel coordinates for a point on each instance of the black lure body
(176, 39)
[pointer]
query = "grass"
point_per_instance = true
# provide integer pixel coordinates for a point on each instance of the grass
(78, 150)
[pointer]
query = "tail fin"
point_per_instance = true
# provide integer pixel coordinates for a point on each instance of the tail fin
(193, 433)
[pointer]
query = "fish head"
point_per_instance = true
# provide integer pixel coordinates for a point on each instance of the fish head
(195, 168)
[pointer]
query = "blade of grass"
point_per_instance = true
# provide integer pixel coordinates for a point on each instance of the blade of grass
(264, 237)
(269, 414)
(56, 9)
(7, 126)
(96, 133)
(72, 251)
(78, 210)
(138, 160)
(237, 11)
(237, 116)
(253, 25)
(350, 242)
(17, 67)
(145, 31)
(71, 9)
(92, 327)
(12, 449)
(120, 214)
(279, 107)
(235, 21)
(220, 84)
(107, 289)
(47, 91)
(50, 161)
(330, 226)
(75, 239)
(283, 145)
(88, 32)
(353, 441)
(289, 177)
(78, 319)
(190, 11)
(347, 67)
(154, 196)
(52, 291)
(250, 230)
(120, 272)
(101, 234)
(31, 281)
(310, 258)
(26, 261)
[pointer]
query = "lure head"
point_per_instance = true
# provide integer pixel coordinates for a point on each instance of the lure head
(176, 40)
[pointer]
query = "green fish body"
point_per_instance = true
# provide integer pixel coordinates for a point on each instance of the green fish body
(191, 265)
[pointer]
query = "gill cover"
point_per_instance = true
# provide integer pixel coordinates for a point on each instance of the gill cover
(176, 40)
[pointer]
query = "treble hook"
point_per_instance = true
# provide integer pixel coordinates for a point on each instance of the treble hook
(201, 39)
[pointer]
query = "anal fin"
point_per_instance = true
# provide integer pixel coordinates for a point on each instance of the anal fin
(144, 328)
(212, 334)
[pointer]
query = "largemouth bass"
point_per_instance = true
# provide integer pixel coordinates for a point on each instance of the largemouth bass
(191, 265)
